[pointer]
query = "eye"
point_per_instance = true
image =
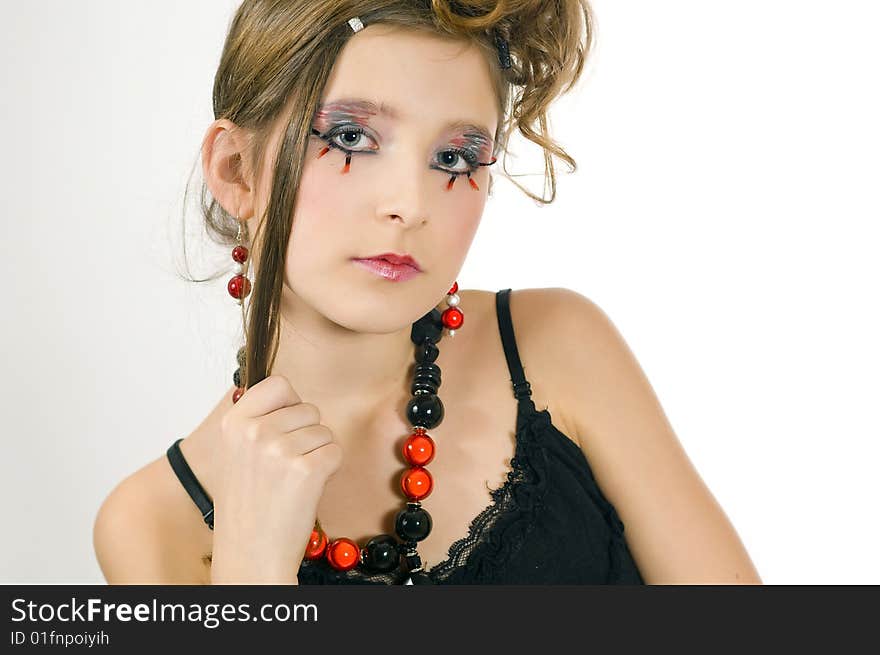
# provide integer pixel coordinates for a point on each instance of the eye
(456, 160)
(354, 140)
(351, 139)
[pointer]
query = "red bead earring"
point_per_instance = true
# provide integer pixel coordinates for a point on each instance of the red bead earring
(452, 318)
(239, 287)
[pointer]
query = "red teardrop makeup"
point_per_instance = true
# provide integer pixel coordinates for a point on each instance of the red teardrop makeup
(351, 119)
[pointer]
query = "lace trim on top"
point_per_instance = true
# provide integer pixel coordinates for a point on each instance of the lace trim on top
(493, 536)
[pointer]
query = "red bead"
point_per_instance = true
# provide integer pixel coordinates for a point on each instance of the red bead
(317, 545)
(418, 449)
(452, 318)
(239, 287)
(238, 393)
(454, 288)
(343, 554)
(416, 483)
(240, 254)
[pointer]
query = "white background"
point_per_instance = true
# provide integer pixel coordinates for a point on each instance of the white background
(723, 214)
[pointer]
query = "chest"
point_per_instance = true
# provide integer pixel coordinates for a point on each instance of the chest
(473, 448)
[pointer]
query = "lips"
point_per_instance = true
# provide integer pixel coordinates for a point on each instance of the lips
(394, 258)
(387, 270)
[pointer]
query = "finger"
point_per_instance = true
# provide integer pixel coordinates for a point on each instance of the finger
(288, 419)
(268, 395)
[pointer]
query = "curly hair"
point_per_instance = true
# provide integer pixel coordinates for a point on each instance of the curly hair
(277, 57)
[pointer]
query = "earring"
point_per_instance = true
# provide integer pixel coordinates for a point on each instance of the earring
(452, 318)
(239, 287)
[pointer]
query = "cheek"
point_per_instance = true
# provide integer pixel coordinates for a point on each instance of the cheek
(454, 231)
(329, 202)
(322, 229)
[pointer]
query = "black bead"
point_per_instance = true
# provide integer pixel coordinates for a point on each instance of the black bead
(425, 410)
(404, 547)
(413, 524)
(428, 327)
(420, 577)
(380, 554)
(236, 377)
(429, 372)
(426, 352)
(413, 562)
(423, 387)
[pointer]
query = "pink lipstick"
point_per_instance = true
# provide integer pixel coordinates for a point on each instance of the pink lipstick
(397, 268)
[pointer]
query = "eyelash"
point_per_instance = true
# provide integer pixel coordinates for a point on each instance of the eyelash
(467, 156)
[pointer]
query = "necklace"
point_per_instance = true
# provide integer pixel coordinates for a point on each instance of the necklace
(385, 552)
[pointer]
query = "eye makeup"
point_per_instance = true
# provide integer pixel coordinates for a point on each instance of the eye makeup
(345, 128)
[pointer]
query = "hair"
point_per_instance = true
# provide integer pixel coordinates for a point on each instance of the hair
(277, 57)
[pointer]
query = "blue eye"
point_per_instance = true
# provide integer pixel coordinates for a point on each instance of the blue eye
(450, 157)
(336, 138)
(349, 138)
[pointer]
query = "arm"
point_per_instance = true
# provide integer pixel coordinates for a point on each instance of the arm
(676, 530)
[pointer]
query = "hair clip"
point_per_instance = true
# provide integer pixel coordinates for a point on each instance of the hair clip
(503, 49)
(356, 24)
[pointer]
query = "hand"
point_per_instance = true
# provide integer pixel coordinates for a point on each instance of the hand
(271, 464)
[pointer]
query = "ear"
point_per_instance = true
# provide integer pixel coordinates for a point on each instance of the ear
(224, 157)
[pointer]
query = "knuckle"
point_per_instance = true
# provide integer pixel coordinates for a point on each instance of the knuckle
(252, 431)
(300, 467)
(281, 384)
(333, 452)
(275, 449)
(310, 412)
(321, 430)
(319, 433)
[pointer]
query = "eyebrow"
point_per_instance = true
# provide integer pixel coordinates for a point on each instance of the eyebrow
(361, 109)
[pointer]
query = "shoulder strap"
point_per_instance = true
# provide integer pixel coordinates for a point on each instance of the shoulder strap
(521, 388)
(190, 483)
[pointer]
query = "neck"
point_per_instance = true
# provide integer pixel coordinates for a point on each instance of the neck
(351, 376)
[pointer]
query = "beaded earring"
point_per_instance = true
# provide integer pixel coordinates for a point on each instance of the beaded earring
(452, 317)
(239, 288)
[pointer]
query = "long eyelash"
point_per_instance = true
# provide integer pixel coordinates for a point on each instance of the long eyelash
(474, 164)
(465, 154)
(328, 137)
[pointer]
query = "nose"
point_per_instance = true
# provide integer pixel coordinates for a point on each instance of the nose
(404, 196)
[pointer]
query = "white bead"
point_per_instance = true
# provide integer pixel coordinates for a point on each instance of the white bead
(239, 268)
(453, 299)
(451, 333)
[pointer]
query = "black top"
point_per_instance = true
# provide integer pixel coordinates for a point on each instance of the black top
(549, 523)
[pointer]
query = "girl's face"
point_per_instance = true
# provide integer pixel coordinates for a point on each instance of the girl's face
(403, 119)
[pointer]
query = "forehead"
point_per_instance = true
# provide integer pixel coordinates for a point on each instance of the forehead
(415, 77)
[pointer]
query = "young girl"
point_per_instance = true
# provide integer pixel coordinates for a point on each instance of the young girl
(373, 435)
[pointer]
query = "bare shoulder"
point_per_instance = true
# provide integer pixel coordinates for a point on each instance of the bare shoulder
(140, 533)
(676, 530)
(572, 351)
(533, 313)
